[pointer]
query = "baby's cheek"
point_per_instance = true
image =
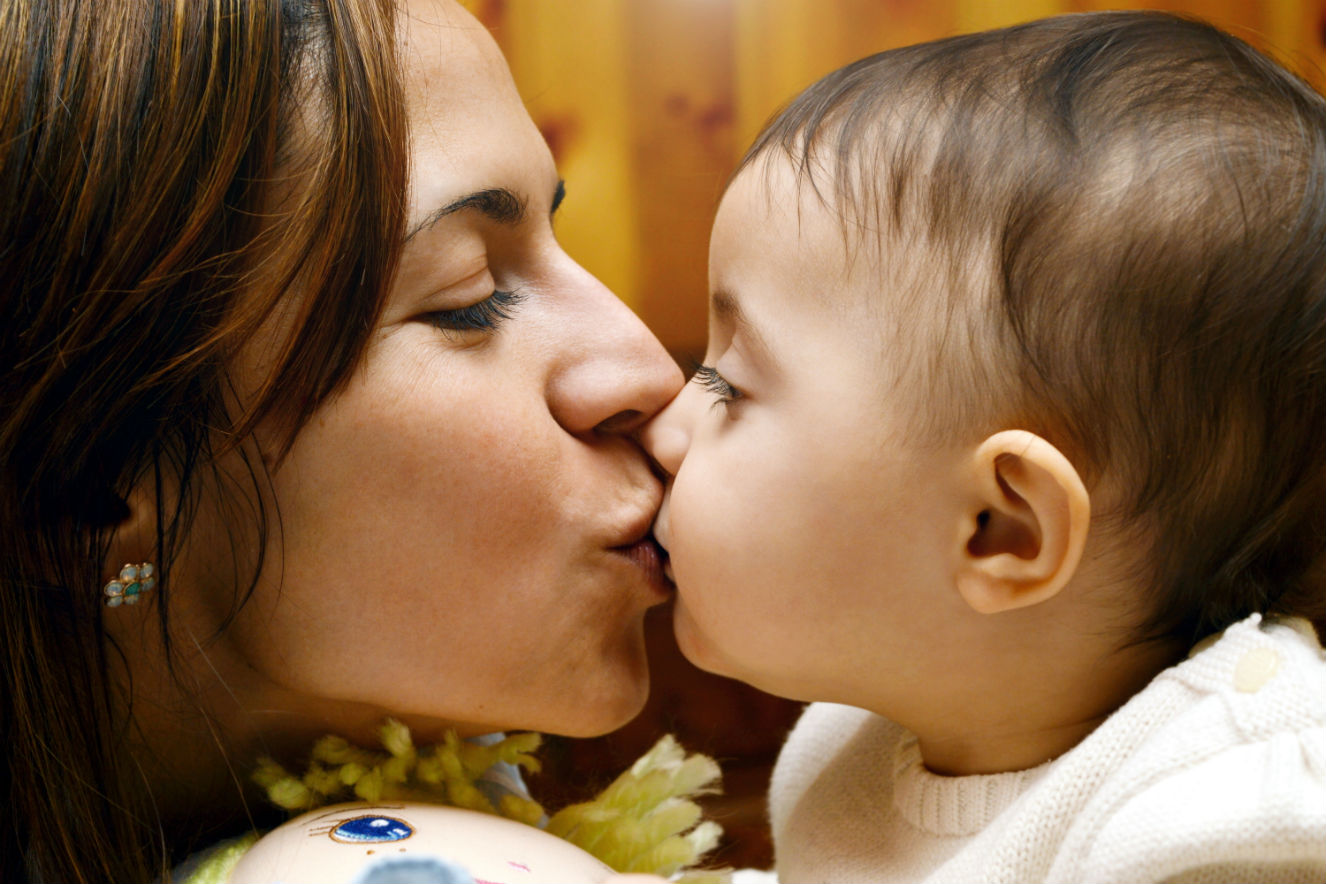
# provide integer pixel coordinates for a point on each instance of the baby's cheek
(714, 572)
(698, 541)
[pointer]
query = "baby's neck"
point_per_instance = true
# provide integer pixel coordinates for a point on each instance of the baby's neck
(1036, 696)
(997, 751)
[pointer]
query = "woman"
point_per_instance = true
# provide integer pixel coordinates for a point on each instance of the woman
(283, 315)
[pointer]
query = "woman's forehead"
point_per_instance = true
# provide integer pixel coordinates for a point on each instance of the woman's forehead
(448, 57)
(469, 130)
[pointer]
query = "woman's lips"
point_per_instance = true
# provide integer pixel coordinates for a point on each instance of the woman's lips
(661, 542)
(646, 555)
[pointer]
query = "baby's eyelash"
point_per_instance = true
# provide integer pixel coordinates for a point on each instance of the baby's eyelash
(709, 378)
(485, 315)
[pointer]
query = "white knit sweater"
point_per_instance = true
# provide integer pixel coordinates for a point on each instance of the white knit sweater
(1215, 772)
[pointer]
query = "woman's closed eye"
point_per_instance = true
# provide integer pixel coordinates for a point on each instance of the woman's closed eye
(482, 316)
(708, 377)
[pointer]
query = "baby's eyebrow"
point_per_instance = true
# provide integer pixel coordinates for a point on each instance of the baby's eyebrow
(727, 310)
(725, 306)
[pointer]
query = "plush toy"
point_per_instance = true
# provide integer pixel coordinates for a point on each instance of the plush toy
(456, 812)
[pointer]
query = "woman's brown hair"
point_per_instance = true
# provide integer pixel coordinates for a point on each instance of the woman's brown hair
(169, 173)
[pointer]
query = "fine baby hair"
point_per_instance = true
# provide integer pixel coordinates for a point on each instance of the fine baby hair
(1129, 211)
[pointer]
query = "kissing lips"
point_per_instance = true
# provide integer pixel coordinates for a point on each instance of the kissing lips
(649, 557)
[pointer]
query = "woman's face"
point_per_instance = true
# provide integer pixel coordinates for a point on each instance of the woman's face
(460, 527)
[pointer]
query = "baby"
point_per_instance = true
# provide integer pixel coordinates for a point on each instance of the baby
(1010, 450)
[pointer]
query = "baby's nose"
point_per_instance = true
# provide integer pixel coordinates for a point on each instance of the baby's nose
(667, 436)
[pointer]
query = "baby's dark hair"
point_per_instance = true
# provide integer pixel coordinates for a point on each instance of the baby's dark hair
(1131, 208)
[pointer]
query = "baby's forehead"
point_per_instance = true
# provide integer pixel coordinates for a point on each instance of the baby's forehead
(855, 239)
(804, 206)
(774, 224)
(787, 253)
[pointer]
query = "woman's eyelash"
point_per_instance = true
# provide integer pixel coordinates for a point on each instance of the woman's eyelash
(484, 315)
(709, 378)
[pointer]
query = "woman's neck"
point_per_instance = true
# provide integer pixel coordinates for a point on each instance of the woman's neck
(198, 728)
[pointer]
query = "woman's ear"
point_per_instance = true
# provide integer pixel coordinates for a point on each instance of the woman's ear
(1028, 523)
(134, 536)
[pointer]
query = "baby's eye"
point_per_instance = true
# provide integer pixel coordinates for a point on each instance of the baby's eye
(709, 378)
(485, 315)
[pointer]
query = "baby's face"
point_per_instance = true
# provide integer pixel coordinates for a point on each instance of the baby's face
(803, 528)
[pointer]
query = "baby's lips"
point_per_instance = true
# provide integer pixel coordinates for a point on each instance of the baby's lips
(662, 532)
(662, 528)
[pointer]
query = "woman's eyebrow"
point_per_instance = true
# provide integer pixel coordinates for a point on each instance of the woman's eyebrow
(495, 203)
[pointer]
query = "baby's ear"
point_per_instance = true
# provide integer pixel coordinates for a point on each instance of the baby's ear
(1028, 521)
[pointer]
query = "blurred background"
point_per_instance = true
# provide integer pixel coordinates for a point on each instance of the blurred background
(647, 106)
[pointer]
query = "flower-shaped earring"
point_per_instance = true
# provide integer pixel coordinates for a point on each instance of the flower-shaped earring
(134, 580)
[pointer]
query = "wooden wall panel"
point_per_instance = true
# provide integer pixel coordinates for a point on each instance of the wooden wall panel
(782, 47)
(680, 72)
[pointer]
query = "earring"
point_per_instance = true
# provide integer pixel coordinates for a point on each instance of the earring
(132, 582)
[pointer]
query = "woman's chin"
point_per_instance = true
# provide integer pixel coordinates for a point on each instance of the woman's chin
(595, 698)
(585, 717)
(600, 715)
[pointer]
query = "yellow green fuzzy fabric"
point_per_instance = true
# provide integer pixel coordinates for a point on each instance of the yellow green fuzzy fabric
(645, 821)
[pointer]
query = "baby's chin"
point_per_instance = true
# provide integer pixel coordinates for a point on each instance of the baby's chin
(699, 647)
(711, 656)
(691, 640)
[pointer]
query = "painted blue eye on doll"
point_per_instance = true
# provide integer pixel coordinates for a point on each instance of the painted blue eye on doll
(372, 830)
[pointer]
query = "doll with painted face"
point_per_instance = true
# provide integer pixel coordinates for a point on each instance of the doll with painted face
(458, 811)
(362, 843)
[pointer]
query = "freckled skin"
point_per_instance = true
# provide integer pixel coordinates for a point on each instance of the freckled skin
(447, 518)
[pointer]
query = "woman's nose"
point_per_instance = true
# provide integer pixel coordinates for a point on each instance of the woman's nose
(668, 435)
(612, 374)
